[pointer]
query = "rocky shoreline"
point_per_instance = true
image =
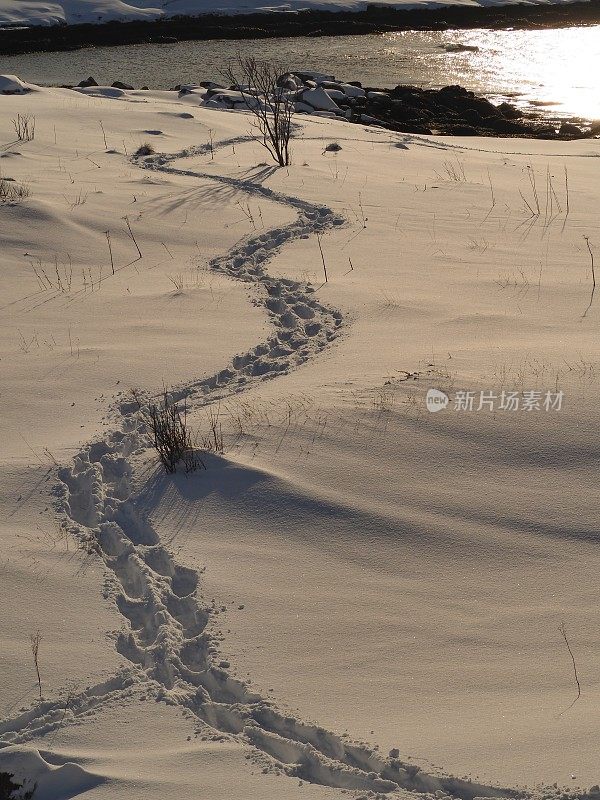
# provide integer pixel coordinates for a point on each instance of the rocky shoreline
(449, 111)
(373, 19)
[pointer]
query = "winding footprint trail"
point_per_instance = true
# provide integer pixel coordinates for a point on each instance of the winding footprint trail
(167, 641)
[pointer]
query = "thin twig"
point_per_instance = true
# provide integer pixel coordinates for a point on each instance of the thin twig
(587, 241)
(322, 256)
(563, 632)
(133, 237)
(112, 263)
(35, 640)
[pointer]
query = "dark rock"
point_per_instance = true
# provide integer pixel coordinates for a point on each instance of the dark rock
(450, 110)
(501, 125)
(461, 130)
(402, 112)
(380, 100)
(458, 99)
(472, 116)
(569, 129)
(455, 91)
(509, 111)
(406, 127)
(545, 132)
(120, 85)
(86, 83)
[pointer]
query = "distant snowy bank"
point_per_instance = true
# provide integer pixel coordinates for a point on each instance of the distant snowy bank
(76, 12)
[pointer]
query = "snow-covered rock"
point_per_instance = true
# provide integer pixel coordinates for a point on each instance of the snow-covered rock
(289, 81)
(10, 84)
(188, 88)
(317, 77)
(109, 92)
(352, 91)
(458, 47)
(337, 94)
(230, 98)
(28, 769)
(318, 99)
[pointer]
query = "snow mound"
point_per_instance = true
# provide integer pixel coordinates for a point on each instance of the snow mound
(29, 770)
(10, 84)
(109, 92)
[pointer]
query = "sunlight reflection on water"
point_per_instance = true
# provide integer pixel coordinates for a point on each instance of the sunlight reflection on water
(545, 66)
(552, 67)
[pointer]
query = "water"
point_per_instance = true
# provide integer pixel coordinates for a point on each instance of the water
(552, 68)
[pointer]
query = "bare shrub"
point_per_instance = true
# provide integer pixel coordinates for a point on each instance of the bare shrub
(213, 441)
(452, 171)
(12, 192)
(24, 125)
(145, 149)
(172, 439)
(271, 105)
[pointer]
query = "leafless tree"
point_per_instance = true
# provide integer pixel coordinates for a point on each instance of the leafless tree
(272, 105)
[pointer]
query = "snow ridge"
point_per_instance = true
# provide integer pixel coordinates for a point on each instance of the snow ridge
(167, 642)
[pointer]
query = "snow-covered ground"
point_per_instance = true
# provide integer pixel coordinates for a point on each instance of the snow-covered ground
(73, 12)
(355, 576)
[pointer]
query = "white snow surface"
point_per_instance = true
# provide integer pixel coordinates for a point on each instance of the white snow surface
(358, 598)
(72, 12)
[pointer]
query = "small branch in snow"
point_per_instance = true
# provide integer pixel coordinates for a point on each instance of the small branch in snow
(587, 241)
(133, 237)
(563, 633)
(112, 262)
(322, 256)
(35, 639)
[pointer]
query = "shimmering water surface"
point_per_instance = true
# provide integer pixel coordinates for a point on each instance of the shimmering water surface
(554, 68)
